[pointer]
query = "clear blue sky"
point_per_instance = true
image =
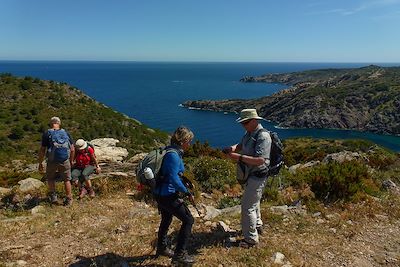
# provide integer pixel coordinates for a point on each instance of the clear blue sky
(202, 30)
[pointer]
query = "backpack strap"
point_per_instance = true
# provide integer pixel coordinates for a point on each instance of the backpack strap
(161, 181)
(259, 131)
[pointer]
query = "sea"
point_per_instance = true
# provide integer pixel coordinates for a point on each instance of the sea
(152, 92)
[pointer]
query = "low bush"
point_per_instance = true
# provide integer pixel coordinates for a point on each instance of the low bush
(333, 181)
(228, 201)
(213, 173)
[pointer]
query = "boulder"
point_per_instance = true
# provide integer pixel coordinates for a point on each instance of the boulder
(4, 191)
(294, 168)
(212, 212)
(106, 150)
(37, 210)
(391, 186)
(278, 258)
(137, 158)
(343, 156)
(30, 184)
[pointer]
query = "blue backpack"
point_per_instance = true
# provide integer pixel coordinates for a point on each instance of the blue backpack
(59, 149)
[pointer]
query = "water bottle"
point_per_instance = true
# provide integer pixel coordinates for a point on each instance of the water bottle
(148, 173)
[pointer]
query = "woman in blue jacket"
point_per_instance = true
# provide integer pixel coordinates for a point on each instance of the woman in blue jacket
(169, 203)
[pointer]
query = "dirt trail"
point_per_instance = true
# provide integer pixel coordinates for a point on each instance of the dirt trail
(116, 230)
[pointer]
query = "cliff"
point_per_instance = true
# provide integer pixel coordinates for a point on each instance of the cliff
(365, 99)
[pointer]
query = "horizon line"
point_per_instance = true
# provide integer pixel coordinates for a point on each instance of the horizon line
(192, 61)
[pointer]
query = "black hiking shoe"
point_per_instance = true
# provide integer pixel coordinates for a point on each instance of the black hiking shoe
(53, 197)
(67, 201)
(164, 251)
(182, 259)
(245, 244)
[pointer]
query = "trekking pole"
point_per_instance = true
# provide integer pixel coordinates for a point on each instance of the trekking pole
(189, 185)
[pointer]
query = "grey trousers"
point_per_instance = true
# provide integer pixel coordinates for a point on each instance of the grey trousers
(251, 215)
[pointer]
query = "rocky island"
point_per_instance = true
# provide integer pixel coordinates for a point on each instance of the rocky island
(364, 99)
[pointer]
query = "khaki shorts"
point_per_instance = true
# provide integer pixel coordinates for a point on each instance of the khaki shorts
(62, 169)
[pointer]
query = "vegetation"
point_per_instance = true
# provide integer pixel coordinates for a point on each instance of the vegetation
(325, 182)
(28, 104)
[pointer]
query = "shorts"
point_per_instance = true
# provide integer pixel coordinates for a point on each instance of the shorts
(62, 169)
(82, 173)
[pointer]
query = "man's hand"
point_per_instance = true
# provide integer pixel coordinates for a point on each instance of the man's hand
(191, 199)
(227, 150)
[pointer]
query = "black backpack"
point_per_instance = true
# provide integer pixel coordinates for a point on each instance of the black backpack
(276, 157)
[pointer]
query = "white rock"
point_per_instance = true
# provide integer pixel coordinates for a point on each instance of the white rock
(106, 150)
(136, 158)
(29, 184)
(225, 228)
(278, 258)
(211, 213)
(299, 166)
(4, 191)
(194, 212)
(38, 209)
(342, 157)
(118, 174)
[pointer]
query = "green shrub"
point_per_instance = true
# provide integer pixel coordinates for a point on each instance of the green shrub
(16, 133)
(212, 173)
(228, 201)
(333, 181)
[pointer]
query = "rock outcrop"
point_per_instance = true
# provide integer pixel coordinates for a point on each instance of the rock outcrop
(106, 149)
(364, 99)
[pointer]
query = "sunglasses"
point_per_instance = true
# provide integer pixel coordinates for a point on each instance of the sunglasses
(246, 122)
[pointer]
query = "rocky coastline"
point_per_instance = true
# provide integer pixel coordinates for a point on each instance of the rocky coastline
(363, 99)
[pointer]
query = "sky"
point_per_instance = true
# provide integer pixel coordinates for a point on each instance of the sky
(202, 30)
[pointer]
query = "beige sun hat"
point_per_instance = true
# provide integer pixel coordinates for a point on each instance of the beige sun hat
(80, 144)
(248, 114)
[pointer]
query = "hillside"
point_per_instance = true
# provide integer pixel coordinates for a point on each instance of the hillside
(118, 228)
(28, 104)
(365, 99)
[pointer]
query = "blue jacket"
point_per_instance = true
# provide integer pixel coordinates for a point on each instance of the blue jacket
(171, 167)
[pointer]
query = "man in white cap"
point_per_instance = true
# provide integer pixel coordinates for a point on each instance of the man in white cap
(57, 146)
(253, 153)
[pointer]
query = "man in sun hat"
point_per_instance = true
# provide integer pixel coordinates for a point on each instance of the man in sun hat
(85, 164)
(57, 146)
(253, 154)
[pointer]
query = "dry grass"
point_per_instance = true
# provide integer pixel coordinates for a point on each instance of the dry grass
(113, 229)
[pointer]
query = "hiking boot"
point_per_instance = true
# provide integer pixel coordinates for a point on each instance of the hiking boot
(67, 201)
(53, 197)
(164, 251)
(82, 193)
(91, 193)
(245, 244)
(182, 259)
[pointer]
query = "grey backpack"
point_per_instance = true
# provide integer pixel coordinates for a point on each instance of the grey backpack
(148, 171)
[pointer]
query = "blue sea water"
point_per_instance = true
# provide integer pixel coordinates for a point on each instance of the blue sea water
(152, 91)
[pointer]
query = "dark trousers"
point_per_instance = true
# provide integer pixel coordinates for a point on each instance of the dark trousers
(173, 206)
